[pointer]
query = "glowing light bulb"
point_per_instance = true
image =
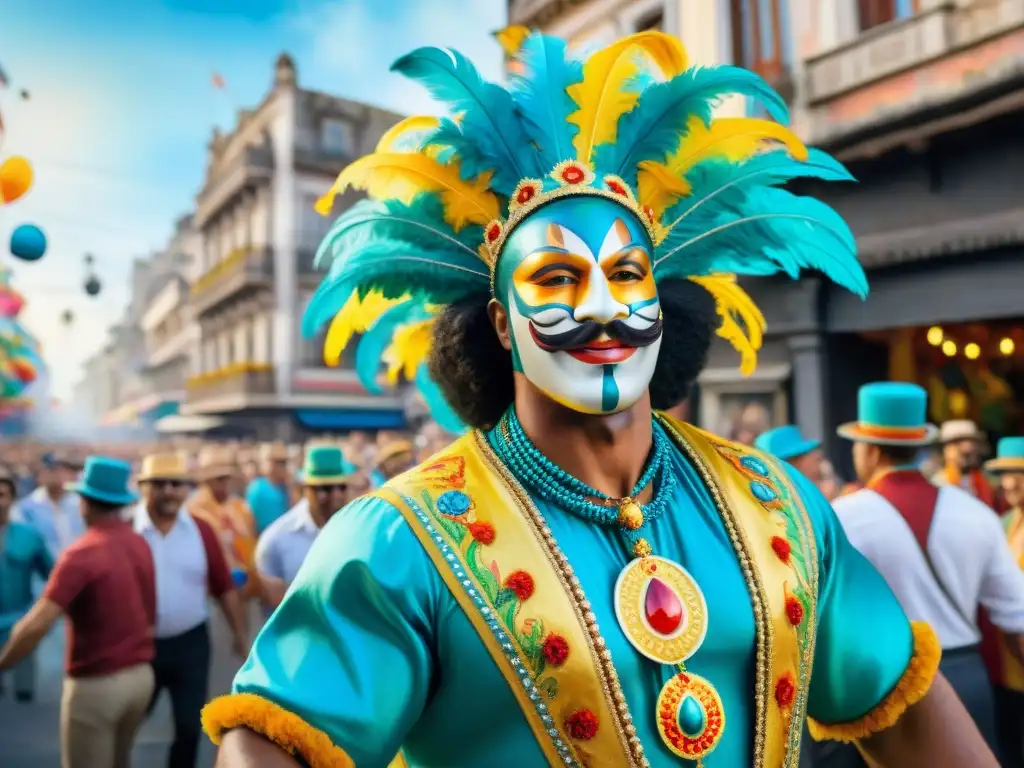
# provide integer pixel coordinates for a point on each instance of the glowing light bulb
(972, 351)
(949, 348)
(1006, 346)
(935, 336)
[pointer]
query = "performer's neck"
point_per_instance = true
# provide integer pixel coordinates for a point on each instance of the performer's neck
(607, 453)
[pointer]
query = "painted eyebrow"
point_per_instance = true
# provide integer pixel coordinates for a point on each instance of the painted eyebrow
(554, 268)
(626, 261)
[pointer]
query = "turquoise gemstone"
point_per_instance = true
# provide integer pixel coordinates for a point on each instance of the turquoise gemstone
(692, 717)
(762, 492)
(755, 465)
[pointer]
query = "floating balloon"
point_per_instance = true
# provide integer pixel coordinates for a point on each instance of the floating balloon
(67, 317)
(15, 178)
(93, 286)
(28, 242)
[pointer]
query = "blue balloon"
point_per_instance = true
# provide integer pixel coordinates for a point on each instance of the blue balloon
(28, 242)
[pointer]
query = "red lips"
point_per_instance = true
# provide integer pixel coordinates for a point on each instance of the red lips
(602, 352)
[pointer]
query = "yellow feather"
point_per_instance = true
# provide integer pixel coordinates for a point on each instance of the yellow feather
(409, 348)
(733, 139)
(602, 97)
(743, 324)
(392, 175)
(401, 129)
(357, 316)
(511, 38)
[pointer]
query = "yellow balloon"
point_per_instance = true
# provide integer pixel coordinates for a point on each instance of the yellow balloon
(15, 178)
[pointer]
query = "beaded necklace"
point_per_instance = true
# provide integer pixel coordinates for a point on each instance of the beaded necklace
(555, 485)
(659, 605)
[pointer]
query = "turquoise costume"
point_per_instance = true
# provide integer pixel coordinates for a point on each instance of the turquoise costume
(486, 608)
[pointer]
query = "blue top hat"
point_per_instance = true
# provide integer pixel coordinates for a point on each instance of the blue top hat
(326, 465)
(891, 413)
(1009, 456)
(785, 442)
(106, 480)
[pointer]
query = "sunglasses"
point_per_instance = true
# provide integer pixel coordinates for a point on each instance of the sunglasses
(326, 489)
(161, 484)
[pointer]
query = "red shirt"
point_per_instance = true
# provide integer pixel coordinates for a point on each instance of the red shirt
(106, 584)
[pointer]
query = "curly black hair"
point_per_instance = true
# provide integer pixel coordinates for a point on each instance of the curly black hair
(474, 371)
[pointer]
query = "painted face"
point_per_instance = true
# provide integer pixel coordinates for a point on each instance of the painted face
(584, 315)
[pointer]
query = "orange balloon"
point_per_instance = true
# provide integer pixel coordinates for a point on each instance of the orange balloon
(15, 178)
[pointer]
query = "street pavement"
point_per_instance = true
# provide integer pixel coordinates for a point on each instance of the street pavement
(30, 735)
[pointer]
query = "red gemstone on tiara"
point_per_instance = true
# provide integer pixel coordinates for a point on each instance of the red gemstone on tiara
(526, 194)
(493, 231)
(617, 188)
(573, 174)
(649, 212)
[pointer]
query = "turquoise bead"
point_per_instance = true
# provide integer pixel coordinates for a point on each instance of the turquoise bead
(755, 465)
(692, 717)
(762, 492)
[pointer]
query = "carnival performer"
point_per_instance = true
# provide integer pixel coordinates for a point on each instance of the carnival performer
(580, 581)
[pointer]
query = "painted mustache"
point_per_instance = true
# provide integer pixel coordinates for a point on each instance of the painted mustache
(589, 330)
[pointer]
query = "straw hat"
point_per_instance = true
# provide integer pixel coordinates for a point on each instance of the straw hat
(392, 449)
(216, 461)
(955, 430)
(164, 466)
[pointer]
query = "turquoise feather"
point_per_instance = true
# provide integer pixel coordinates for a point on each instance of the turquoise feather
(439, 409)
(541, 99)
(655, 127)
(493, 138)
(378, 338)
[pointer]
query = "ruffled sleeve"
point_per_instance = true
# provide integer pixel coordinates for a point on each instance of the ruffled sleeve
(870, 662)
(342, 669)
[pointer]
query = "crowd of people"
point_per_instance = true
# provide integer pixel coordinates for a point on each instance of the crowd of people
(130, 545)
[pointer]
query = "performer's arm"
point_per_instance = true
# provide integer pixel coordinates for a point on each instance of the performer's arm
(341, 671)
(241, 748)
(875, 677)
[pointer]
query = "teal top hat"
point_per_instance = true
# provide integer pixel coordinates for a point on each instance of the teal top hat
(785, 442)
(106, 480)
(891, 413)
(326, 465)
(1009, 456)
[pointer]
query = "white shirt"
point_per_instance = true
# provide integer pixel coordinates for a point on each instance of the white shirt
(181, 572)
(283, 547)
(968, 549)
(60, 523)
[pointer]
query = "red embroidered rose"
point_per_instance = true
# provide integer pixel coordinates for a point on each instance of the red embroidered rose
(521, 583)
(482, 532)
(556, 649)
(794, 611)
(493, 231)
(781, 547)
(582, 724)
(785, 689)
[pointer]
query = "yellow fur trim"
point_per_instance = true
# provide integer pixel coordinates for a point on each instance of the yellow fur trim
(912, 687)
(287, 730)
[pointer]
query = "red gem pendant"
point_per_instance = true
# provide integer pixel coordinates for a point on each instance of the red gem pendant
(663, 608)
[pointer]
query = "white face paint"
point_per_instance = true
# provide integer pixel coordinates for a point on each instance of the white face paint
(585, 322)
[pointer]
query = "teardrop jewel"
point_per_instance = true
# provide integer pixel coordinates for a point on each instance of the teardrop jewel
(662, 607)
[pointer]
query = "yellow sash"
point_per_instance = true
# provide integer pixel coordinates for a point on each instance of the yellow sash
(500, 561)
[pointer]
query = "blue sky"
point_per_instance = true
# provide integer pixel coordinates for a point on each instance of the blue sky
(122, 106)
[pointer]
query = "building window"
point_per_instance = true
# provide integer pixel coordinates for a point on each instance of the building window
(760, 36)
(873, 13)
(336, 136)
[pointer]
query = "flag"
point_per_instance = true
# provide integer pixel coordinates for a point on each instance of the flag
(217, 80)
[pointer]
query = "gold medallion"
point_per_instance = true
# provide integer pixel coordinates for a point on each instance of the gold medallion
(691, 719)
(661, 609)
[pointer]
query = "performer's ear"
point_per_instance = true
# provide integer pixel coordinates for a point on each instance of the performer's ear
(499, 319)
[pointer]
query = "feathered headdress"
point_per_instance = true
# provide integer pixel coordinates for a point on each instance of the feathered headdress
(632, 123)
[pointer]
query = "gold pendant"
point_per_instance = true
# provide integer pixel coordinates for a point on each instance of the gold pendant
(631, 517)
(661, 609)
(691, 719)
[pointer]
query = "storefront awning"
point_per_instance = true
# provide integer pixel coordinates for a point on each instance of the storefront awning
(175, 424)
(344, 419)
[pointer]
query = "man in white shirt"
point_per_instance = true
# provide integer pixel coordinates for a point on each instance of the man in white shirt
(190, 568)
(51, 509)
(942, 551)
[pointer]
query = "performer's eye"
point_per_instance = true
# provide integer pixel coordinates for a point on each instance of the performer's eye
(625, 276)
(558, 281)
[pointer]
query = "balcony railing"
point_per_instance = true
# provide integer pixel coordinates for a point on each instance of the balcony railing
(907, 44)
(250, 167)
(238, 379)
(244, 269)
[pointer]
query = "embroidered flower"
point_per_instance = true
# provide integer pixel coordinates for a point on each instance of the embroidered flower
(794, 610)
(785, 689)
(525, 191)
(582, 724)
(493, 231)
(521, 583)
(481, 532)
(556, 649)
(781, 547)
(453, 503)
